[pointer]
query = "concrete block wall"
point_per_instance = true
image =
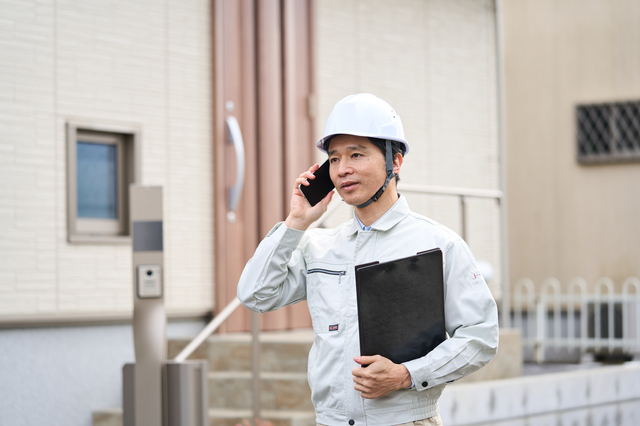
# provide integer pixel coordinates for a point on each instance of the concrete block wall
(599, 396)
(435, 63)
(139, 63)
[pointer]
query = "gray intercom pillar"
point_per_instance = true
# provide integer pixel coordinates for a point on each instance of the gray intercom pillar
(149, 317)
(156, 392)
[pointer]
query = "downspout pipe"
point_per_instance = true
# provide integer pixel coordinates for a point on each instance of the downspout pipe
(505, 306)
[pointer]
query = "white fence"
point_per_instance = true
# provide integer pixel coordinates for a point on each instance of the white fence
(577, 321)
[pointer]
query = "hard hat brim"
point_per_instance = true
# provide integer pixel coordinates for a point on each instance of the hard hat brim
(320, 143)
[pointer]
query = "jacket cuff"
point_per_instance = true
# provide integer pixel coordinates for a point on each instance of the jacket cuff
(285, 236)
(421, 375)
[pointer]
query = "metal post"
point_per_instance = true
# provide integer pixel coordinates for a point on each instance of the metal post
(463, 217)
(505, 308)
(186, 393)
(541, 312)
(149, 318)
(255, 363)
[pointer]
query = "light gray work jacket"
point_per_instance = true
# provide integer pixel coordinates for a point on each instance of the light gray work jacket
(318, 265)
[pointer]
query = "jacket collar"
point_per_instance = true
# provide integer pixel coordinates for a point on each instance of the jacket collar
(388, 221)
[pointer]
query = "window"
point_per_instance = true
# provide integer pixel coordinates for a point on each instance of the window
(101, 166)
(608, 132)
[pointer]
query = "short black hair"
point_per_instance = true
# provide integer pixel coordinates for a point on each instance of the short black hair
(396, 149)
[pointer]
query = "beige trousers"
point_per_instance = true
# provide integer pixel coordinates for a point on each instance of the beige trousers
(431, 421)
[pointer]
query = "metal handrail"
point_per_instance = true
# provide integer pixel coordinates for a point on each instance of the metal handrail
(463, 194)
(235, 304)
(451, 190)
(208, 330)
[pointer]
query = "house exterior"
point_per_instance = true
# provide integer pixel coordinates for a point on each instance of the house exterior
(159, 80)
(571, 70)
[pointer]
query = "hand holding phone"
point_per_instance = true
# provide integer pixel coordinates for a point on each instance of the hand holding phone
(319, 187)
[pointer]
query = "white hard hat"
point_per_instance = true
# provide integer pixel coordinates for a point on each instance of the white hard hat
(364, 115)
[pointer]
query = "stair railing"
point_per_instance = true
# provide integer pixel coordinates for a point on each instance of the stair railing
(208, 330)
(219, 319)
(463, 194)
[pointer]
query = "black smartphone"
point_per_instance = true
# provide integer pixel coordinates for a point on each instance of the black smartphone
(319, 187)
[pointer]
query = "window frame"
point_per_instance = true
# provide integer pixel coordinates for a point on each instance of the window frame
(127, 141)
(614, 150)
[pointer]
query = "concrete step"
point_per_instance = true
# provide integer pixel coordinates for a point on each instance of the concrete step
(231, 392)
(285, 351)
(108, 417)
(222, 417)
(279, 391)
(285, 395)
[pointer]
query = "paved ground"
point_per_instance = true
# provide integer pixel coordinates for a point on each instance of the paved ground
(530, 369)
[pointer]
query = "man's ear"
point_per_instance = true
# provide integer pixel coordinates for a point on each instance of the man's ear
(397, 163)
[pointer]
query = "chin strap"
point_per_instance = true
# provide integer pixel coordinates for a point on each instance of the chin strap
(390, 175)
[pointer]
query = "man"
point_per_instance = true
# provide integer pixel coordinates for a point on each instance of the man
(364, 140)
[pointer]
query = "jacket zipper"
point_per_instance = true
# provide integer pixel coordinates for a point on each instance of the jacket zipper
(328, 272)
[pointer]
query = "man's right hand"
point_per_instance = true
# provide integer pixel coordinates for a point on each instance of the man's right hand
(302, 215)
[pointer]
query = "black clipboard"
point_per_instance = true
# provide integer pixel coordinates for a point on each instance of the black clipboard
(401, 306)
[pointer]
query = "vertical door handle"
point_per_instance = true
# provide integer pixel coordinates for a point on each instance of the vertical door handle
(234, 137)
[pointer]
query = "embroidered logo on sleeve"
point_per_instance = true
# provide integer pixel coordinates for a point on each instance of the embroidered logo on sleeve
(477, 275)
(333, 327)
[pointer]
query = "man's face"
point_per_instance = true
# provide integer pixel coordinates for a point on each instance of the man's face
(357, 168)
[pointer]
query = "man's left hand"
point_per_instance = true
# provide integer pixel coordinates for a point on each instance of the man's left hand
(380, 377)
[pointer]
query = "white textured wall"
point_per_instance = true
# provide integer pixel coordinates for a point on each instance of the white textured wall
(434, 62)
(138, 62)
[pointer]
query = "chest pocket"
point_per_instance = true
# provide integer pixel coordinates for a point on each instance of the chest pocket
(324, 296)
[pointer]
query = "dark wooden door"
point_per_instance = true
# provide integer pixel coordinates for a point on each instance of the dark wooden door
(262, 74)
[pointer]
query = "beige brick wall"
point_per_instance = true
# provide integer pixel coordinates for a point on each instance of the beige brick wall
(138, 63)
(434, 62)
